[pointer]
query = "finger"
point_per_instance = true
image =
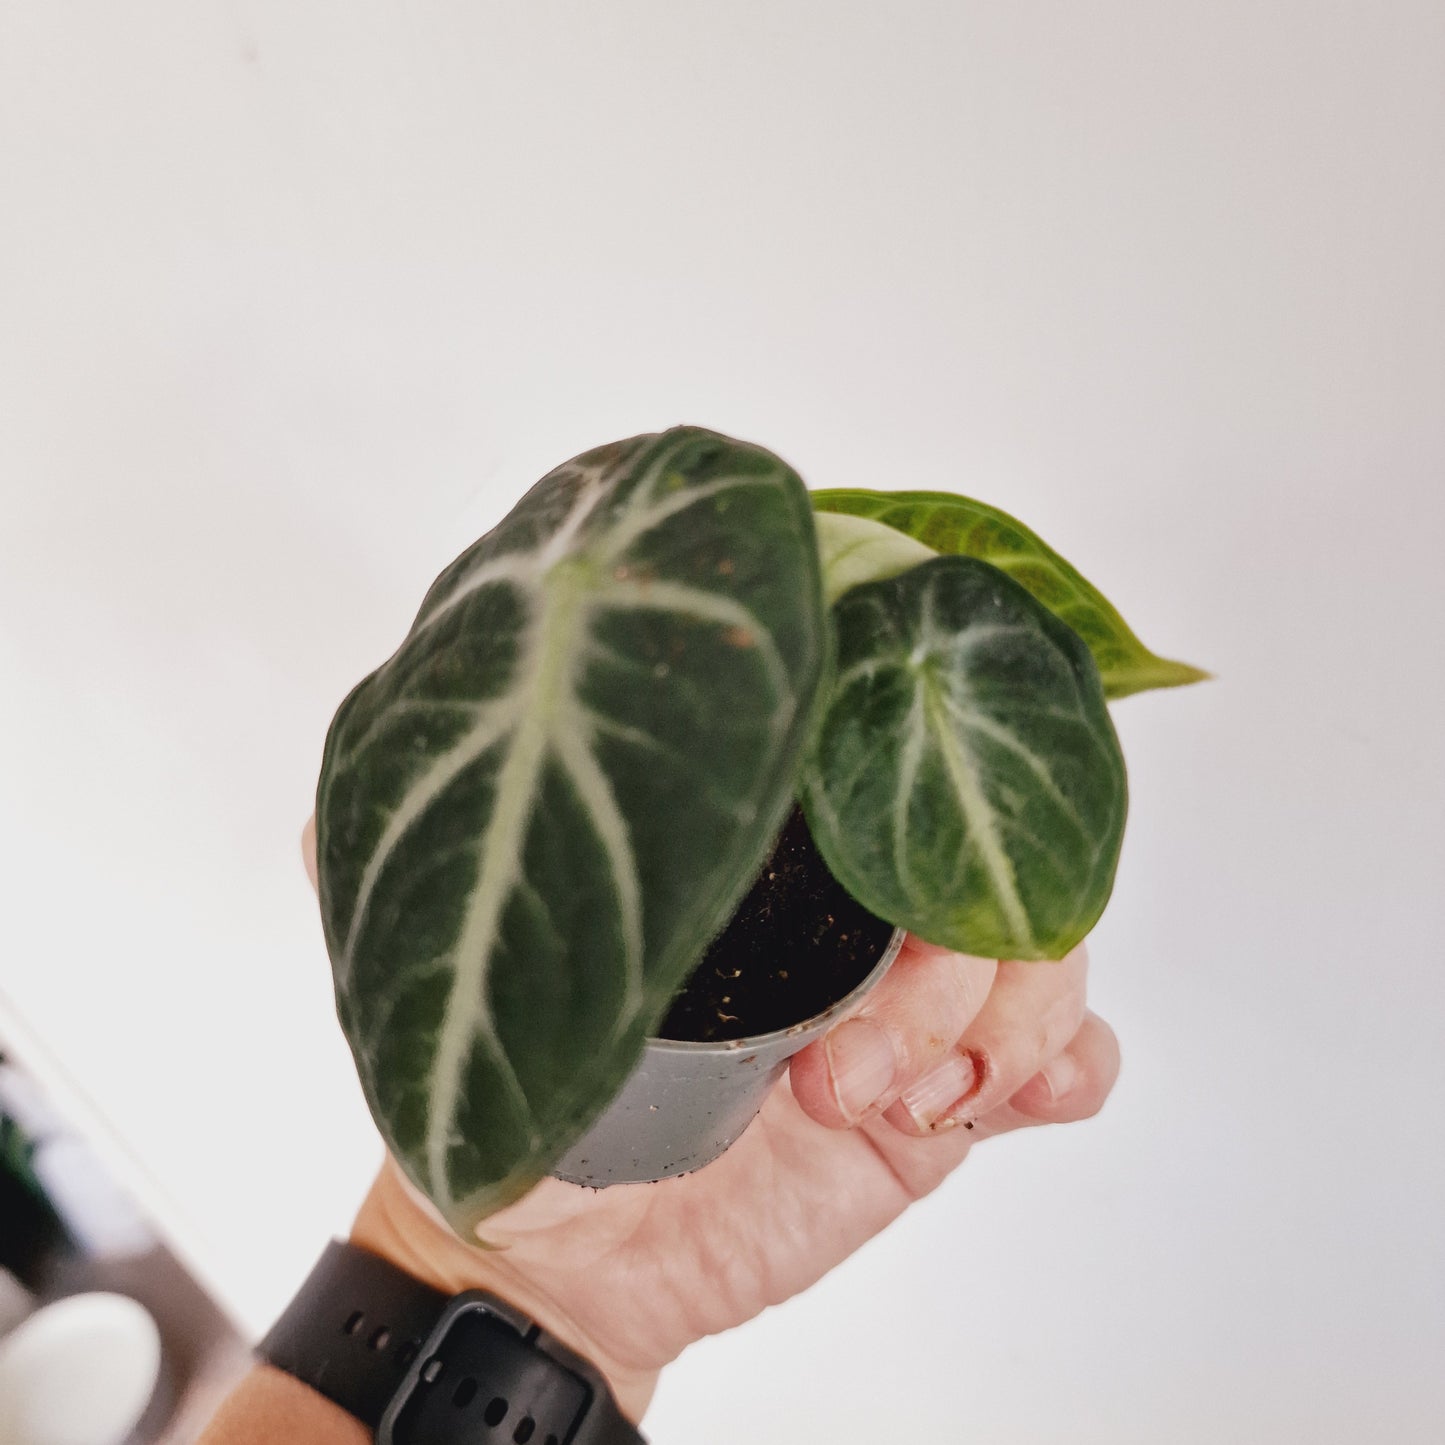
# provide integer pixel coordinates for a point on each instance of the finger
(308, 849)
(922, 1164)
(1031, 1014)
(904, 1031)
(1075, 1085)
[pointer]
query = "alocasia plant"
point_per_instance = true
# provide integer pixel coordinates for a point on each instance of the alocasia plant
(535, 815)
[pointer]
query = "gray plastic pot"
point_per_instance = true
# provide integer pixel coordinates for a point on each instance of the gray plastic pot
(687, 1102)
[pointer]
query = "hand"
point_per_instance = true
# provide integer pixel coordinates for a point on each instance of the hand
(946, 1051)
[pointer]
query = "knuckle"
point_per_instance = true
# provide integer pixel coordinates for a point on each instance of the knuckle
(1054, 1028)
(969, 981)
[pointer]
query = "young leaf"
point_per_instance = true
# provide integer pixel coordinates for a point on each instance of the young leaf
(855, 550)
(533, 817)
(957, 526)
(965, 780)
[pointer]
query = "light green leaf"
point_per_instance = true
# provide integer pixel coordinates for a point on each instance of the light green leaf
(966, 781)
(956, 526)
(855, 550)
(535, 815)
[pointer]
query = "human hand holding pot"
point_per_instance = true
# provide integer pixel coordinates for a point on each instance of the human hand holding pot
(946, 1051)
(630, 1276)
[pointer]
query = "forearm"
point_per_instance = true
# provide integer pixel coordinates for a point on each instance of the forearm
(269, 1405)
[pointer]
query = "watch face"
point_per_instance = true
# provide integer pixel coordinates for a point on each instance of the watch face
(486, 1382)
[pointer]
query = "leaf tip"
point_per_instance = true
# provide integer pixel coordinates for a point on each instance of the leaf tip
(1161, 672)
(1182, 674)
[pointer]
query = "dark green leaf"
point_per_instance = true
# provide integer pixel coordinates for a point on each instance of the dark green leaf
(966, 781)
(533, 817)
(956, 526)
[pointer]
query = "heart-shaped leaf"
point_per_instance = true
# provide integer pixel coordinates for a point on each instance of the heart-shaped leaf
(956, 526)
(535, 815)
(966, 781)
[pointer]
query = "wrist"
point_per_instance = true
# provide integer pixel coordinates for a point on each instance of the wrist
(396, 1224)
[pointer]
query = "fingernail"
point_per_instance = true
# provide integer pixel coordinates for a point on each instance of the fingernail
(861, 1065)
(935, 1095)
(1060, 1076)
(1049, 1085)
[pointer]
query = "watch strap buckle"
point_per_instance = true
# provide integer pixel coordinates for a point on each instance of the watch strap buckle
(476, 1369)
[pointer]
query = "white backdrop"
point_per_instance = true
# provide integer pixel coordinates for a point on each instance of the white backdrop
(296, 298)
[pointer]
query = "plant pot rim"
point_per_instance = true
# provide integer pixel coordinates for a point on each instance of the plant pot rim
(812, 1024)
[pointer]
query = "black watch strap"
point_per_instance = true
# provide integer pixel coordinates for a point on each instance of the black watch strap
(422, 1368)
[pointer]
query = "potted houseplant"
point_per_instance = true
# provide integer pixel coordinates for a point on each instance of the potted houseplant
(536, 816)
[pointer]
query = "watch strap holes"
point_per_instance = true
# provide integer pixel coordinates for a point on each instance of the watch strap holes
(390, 1348)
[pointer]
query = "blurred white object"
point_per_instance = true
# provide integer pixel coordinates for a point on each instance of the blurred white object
(79, 1372)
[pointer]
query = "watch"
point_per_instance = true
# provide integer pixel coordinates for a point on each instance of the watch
(421, 1368)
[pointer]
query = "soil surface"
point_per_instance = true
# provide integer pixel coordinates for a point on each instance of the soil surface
(797, 943)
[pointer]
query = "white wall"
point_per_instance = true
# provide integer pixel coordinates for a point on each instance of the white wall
(295, 298)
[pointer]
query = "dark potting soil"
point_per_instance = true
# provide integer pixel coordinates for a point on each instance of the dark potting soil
(797, 943)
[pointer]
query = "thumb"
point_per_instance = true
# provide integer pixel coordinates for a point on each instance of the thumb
(308, 850)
